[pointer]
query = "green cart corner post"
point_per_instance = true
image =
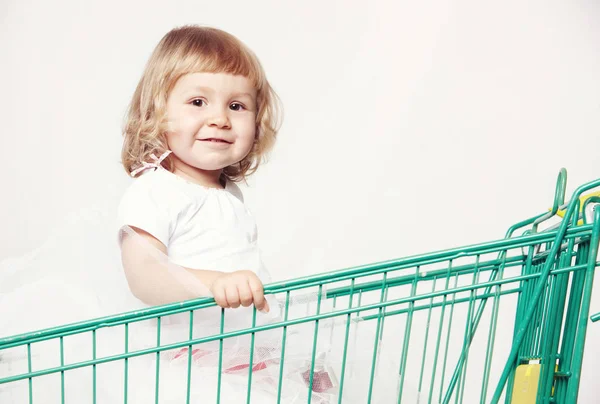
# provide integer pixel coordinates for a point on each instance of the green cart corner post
(500, 321)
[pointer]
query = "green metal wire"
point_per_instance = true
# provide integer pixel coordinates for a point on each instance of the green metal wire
(157, 383)
(452, 303)
(571, 324)
(573, 389)
(377, 339)
(62, 373)
(439, 336)
(553, 326)
(189, 364)
(94, 369)
(346, 335)
(126, 364)
(407, 279)
(29, 370)
(314, 346)
(468, 336)
(251, 360)
(220, 365)
(426, 339)
(492, 331)
(283, 344)
(407, 334)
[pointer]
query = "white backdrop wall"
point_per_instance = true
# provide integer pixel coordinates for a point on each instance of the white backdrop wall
(409, 126)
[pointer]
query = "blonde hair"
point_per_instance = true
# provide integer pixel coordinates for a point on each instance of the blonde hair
(191, 49)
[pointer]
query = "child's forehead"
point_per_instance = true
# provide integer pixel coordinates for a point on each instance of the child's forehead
(214, 81)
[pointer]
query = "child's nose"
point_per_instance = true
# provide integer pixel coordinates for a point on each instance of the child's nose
(219, 118)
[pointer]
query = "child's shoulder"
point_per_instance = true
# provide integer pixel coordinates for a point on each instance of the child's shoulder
(150, 182)
(153, 187)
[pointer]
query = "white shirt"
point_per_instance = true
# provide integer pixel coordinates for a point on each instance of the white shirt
(202, 228)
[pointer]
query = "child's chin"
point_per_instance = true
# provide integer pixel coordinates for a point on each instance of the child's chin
(212, 167)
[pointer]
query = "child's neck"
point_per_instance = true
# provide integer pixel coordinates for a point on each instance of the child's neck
(210, 179)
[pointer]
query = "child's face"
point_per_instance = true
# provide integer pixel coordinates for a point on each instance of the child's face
(212, 120)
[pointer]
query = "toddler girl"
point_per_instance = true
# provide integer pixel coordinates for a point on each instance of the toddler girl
(201, 119)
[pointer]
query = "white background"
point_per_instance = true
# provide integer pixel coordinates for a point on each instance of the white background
(409, 126)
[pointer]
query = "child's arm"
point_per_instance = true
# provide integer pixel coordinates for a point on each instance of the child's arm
(151, 282)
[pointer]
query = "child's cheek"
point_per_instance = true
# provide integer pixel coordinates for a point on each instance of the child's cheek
(188, 123)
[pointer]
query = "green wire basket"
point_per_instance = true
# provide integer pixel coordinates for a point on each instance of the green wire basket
(503, 320)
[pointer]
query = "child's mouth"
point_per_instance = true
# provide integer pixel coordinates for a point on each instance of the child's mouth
(215, 140)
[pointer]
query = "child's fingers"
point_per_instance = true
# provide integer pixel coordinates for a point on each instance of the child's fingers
(258, 295)
(220, 297)
(233, 296)
(246, 296)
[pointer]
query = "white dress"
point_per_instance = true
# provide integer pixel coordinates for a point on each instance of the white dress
(77, 276)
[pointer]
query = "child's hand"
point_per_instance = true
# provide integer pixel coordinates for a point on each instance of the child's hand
(239, 288)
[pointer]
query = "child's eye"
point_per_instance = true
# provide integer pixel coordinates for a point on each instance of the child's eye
(198, 102)
(236, 106)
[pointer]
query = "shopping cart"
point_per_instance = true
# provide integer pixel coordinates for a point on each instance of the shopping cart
(503, 320)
